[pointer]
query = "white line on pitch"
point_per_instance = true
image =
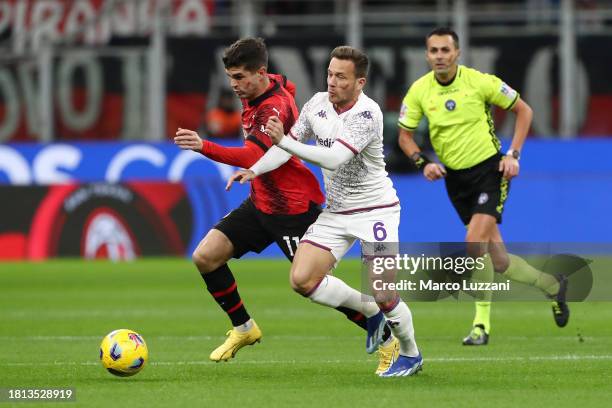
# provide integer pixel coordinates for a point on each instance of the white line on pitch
(283, 337)
(261, 362)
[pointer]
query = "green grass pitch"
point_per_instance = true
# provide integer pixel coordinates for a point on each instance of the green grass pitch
(53, 316)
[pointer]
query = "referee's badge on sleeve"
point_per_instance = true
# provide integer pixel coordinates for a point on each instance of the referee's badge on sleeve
(507, 91)
(403, 111)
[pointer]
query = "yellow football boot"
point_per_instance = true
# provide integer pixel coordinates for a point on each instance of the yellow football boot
(235, 341)
(387, 355)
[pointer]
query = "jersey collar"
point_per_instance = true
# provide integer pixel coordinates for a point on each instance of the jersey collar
(346, 108)
(457, 74)
(274, 86)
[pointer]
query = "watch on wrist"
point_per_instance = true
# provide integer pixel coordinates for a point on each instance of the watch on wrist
(514, 153)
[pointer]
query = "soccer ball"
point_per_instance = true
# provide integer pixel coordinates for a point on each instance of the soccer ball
(123, 352)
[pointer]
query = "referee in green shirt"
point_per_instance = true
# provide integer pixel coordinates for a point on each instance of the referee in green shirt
(456, 101)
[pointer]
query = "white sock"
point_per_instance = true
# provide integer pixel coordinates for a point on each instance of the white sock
(333, 292)
(388, 341)
(243, 328)
(400, 321)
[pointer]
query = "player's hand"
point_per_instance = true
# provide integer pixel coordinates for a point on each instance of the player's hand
(241, 176)
(434, 171)
(188, 140)
(509, 166)
(274, 129)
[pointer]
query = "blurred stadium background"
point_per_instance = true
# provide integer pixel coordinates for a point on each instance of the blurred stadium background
(91, 93)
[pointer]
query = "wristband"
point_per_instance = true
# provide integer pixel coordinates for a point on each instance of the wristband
(420, 160)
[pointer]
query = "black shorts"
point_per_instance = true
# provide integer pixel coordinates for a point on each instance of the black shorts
(252, 230)
(480, 189)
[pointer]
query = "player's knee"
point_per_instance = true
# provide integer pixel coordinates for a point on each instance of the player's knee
(301, 284)
(500, 263)
(386, 301)
(203, 261)
(198, 259)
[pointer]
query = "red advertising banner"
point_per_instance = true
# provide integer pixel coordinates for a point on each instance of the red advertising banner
(94, 221)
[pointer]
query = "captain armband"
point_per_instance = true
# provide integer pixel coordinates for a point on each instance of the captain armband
(420, 160)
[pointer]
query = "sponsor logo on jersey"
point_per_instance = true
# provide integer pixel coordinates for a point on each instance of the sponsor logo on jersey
(322, 114)
(365, 115)
(448, 91)
(328, 142)
(450, 105)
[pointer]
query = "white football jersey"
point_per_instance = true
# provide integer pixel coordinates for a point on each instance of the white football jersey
(361, 183)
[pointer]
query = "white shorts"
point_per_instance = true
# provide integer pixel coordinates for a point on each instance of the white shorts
(337, 232)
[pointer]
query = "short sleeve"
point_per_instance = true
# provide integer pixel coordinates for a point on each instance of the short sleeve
(498, 93)
(302, 129)
(410, 113)
(359, 130)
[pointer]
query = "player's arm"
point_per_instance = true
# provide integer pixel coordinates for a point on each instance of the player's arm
(409, 118)
(431, 170)
(327, 158)
(497, 92)
(509, 165)
(243, 156)
(330, 159)
(272, 160)
(274, 156)
(524, 116)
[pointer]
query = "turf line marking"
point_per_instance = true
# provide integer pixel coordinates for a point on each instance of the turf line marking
(285, 337)
(262, 362)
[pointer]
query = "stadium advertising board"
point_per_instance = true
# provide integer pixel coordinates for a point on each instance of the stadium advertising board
(107, 200)
(101, 97)
(93, 221)
(547, 189)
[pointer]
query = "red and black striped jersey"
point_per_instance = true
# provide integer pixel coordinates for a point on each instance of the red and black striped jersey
(292, 187)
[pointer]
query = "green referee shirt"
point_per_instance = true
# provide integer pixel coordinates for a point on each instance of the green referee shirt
(460, 123)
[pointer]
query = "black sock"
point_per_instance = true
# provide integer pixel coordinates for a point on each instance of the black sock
(354, 316)
(386, 333)
(222, 286)
(360, 320)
